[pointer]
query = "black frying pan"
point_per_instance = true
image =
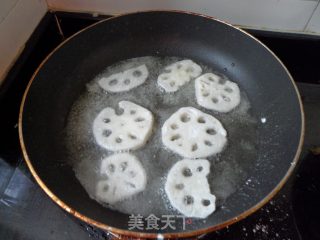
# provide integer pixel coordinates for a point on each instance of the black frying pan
(62, 77)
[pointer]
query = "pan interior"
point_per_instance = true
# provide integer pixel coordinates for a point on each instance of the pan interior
(63, 78)
(229, 170)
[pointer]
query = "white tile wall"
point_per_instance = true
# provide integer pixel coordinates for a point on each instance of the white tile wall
(19, 20)
(278, 15)
(5, 7)
(314, 23)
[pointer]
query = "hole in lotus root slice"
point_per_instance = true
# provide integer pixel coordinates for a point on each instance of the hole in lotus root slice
(137, 73)
(174, 126)
(205, 93)
(111, 168)
(194, 147)
(105, 188)
(199, 169)
(139, 119)
(107, 133)
(185, 117)
(225, 98)
(201, 120)
(211, 131)
(106, 120)
(113, 82)
(205, 202)
(123, 166)
(131, 136)
(179, 186)
(228, 90)
(215, 100)
(186, 172)
(188, 200)
(126, 81)
(175, 137)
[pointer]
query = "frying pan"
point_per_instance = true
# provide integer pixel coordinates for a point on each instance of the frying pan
(62, 77)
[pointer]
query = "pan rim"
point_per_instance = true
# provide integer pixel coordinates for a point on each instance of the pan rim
(123, 232)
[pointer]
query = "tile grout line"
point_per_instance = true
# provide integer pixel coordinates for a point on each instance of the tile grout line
(10, 10)
(314, 10)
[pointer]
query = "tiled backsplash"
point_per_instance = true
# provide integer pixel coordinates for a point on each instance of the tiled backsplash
(18, 18)
(275, 15)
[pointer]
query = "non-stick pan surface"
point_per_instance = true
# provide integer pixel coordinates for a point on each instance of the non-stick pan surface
(62, 77)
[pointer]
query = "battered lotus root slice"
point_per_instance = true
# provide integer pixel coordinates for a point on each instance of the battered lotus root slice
(123, 176)
(216, 93)
(193, 134)
(188, 190)
(178, 74)
(130, 130)
(125, 81)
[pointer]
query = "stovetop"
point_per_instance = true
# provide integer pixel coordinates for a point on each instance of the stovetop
(26, 212)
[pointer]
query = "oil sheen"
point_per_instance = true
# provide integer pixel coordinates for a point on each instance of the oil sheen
(229, 169)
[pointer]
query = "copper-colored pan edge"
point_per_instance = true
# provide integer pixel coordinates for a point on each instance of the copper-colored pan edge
(122, 232)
